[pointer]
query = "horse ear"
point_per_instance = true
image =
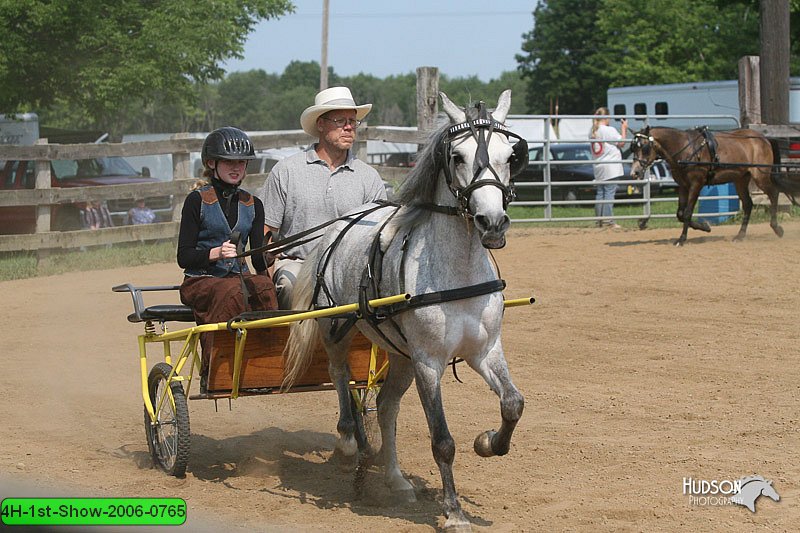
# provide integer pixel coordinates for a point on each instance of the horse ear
(503, 105)
(456, 114)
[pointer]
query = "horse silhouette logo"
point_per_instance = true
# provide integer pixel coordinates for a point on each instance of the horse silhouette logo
(751, 488)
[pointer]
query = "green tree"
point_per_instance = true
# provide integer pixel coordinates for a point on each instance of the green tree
(96, 55)
(579, 48)
(245, 99)
(556, 61)
(510, 79)
(675, 41)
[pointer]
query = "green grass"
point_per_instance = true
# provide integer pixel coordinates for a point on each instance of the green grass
(760, 214)
(21, 265)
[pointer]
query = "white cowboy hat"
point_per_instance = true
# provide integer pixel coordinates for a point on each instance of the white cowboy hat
(328, 100)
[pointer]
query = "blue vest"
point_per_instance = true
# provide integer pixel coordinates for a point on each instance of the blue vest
(214, 230)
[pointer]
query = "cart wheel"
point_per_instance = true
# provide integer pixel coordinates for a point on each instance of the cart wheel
(168, 439)
(365, 409)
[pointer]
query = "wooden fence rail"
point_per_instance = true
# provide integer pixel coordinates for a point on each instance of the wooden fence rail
(43, 196)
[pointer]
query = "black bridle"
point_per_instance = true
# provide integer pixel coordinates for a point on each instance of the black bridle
(481, 130)
(641, 148)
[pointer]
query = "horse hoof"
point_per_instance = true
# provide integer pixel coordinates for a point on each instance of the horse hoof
(778, 231)
(345, 463)
(405, 496)
(678, 243)
(483, 444)
(459, 525)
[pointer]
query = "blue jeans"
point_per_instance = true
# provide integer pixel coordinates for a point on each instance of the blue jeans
(605, 191)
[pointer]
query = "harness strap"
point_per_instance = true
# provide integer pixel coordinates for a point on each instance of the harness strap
(443, 209)
(327, 254)
(447, 295)
(236, 239)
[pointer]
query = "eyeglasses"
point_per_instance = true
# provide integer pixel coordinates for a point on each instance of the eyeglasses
(341, 122)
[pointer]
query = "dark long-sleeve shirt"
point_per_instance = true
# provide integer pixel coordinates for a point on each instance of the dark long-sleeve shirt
(188, 254)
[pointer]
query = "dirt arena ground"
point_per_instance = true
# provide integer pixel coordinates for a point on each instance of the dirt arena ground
(642, 364)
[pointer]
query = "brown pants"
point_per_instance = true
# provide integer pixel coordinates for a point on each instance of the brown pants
(220, 299)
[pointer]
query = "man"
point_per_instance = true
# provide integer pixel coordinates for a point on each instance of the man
(321, 183)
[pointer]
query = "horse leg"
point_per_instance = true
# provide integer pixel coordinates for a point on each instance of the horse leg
(397, 382)
(743, 190)
(339, 369)
(683, 194)
(691, 199)
(428, 378)
(683, 200)
(494, 370)
(773, 194)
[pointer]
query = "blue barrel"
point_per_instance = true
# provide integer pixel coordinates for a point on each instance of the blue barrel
(717, 205)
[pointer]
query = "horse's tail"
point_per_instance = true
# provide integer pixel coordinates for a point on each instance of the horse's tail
(776, 151)
(787, 182)
(303, 335)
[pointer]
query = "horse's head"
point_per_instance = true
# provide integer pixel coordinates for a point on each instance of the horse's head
(479, 156)
(643, 149)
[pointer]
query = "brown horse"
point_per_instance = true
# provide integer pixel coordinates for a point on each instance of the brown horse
(698, 157)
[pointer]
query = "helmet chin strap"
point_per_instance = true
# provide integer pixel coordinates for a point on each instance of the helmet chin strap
(227, 189)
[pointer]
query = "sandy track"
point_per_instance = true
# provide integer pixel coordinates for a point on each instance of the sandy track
(641, 364)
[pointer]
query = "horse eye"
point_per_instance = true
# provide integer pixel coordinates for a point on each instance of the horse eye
(457, 159)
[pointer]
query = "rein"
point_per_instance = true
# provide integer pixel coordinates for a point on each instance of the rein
(293, 241)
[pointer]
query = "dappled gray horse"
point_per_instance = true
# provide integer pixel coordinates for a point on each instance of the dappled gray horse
(435, 246)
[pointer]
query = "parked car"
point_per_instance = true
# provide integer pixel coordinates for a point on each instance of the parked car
(573, 169)
(16, 175)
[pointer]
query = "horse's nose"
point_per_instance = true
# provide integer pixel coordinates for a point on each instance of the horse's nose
(489, 223)
(492, 230)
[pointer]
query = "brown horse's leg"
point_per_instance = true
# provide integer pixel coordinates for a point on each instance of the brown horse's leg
(683, 194)
(743, 190)
(773, 194)
(773, 212)
(691, 199)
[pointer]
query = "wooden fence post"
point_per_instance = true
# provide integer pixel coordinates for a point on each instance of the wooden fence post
(427, 99)
(43, 181)
(775, 61)
(749, 91)
(181, 169)
(361, 150)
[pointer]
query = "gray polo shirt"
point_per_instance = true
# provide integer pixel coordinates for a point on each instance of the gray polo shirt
(302, 192)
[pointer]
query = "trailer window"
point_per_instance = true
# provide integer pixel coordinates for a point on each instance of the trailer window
(619, 109)
(639, 109)
(662, 108)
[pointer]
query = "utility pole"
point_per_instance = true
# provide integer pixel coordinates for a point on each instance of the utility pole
(323, 63)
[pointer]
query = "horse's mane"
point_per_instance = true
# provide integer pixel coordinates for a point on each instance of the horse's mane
(420, 184)
(419, 187)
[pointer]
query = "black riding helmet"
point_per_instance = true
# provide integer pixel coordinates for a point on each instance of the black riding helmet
(227, 143)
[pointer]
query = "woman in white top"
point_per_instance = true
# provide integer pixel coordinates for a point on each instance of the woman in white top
(605, 150)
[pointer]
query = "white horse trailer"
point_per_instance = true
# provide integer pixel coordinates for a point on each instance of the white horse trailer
(685, 105)
(19, 128)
